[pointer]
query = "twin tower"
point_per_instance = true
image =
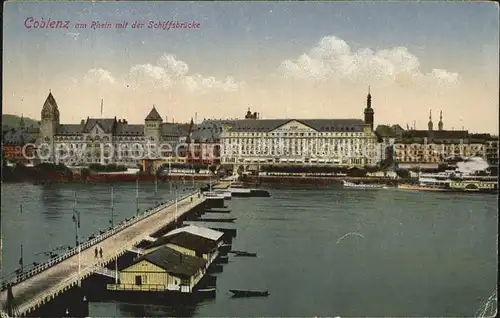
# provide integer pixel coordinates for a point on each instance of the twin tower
(440, 124)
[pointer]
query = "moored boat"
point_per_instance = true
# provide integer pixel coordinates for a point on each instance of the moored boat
(217, 210)
(249, 293)
(422, 188)
(242, 253)
(353, 185)
(224, 220)
(454, 182)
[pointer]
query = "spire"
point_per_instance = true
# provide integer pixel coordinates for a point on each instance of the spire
(21, 121)
(440, 124)
(369, 113)
(249, 114)
(50, 111)
(369, 99)
(154, 115)
(430, 125)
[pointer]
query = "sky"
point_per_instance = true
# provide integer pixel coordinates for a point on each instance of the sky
(281, 59)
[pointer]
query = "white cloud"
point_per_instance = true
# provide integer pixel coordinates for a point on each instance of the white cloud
(332, 59)
(148, 75)
(100, 76)
(166, 73)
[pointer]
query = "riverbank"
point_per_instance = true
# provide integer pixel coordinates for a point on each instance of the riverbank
(327, 180)
(60, 177)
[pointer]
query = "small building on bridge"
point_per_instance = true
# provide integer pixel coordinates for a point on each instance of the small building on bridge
(189, 244)
(164, 269)
(207, 233)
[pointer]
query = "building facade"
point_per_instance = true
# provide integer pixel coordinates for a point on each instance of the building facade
(162, 270)
(254, 141)
(429, 148)
(18, 144)
(105, 140)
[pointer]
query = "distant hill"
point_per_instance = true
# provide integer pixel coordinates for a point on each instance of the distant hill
(12, 121)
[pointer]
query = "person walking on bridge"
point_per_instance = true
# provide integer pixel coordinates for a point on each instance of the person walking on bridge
(100, 251)
(96, 252)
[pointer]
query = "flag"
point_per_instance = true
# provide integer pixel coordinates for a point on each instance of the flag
(101, 106)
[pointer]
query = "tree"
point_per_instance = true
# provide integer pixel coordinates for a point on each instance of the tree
(356, 172)
(371, 169)
(212, 168)
(85, 173)
(403, 173)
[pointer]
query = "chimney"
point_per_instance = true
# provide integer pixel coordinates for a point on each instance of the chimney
(166, 119)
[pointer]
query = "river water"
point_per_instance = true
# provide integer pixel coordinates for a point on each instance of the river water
(408, 254)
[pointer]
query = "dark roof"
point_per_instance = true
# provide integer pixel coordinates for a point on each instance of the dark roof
(69, 129)
(385, 131)
(173, 262)
(107, 124)
(169, 129)
(153, 115)
(186, 240)
(210, 129)
(50, 102)
(436, 134)
(485, 137)
(397, 128)
(129, 129)
(204, 130)
(110, 125)
(436, 137)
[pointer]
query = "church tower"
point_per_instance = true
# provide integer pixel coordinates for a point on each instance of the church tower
(152, 126)
(430, 124)
(22, 124)
(50, 119)
(440, 124)
(369, 113)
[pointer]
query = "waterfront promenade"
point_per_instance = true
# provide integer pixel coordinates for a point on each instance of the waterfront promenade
(36, 290)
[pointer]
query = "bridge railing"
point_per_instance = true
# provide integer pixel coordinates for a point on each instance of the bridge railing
(40, 299)
(124, 224)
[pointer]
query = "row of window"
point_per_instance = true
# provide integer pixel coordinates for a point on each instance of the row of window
(446, 147)
(107, 138)
(298, 141)
(313, 161)
(292, 134)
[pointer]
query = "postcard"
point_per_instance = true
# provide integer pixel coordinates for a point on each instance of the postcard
(249, 159)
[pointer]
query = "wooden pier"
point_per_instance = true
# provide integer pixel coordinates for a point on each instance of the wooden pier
(37, 288)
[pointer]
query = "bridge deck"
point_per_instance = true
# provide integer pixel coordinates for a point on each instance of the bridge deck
(50, 282)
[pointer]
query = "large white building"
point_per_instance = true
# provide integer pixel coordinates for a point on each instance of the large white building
(105, 140)
(251, 141)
